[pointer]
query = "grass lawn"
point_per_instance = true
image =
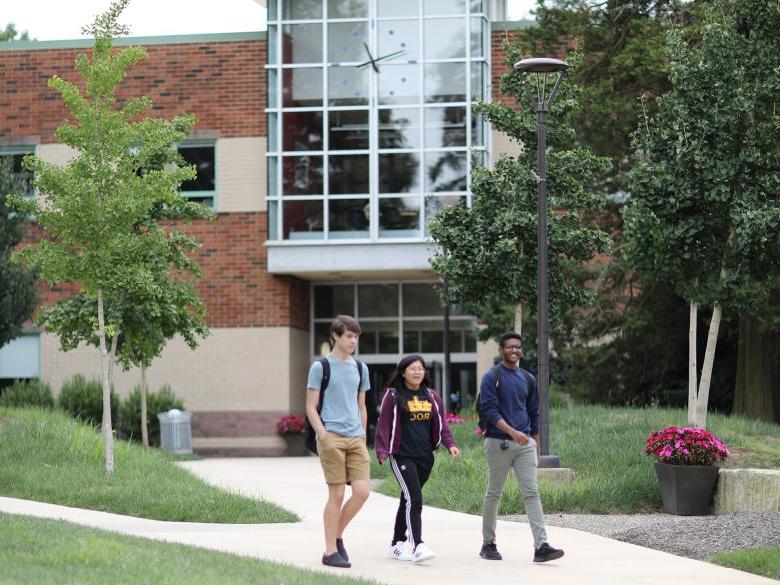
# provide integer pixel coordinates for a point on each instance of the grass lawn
(761, 561)
(605, 448)
(40, 551)
(49, 457)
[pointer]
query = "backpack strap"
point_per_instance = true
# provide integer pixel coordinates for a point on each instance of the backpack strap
(497, 373)
(325, 379)
(360, 374)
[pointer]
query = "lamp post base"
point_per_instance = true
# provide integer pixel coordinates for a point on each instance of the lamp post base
(549, 461)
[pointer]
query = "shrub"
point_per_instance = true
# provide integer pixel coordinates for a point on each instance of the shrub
(83, 400)
(130, 413)
(28, 393)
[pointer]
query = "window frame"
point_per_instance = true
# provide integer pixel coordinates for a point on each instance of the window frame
(22, 149)
(212, 194)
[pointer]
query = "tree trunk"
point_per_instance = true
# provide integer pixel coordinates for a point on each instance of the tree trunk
(144, 427)
(757, 388)
(112, 358)
(104, 367)
(706, 371)
(693, 373)
(519, 319)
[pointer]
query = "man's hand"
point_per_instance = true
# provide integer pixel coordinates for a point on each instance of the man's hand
(519, 437)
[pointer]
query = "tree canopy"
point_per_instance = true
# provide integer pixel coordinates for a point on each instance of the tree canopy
(488, 253)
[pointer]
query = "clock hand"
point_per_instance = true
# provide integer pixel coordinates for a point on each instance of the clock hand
(390, 55)
(373, 62)
(370, 59)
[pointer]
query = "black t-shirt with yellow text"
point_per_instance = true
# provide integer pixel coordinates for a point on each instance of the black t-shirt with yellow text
(415, 410)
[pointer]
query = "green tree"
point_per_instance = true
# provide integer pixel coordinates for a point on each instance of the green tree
(488, 253)
(624, 57)
(705, 194)
(18, 295)
(91, 209)
(142, 323)
(10, 34)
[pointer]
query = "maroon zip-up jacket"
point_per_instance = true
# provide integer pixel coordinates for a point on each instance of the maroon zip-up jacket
(388, 428)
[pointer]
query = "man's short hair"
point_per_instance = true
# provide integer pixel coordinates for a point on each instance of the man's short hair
(510, 335)
(343, 323)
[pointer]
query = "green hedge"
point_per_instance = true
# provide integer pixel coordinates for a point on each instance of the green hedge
(28, 393)
(83, 400)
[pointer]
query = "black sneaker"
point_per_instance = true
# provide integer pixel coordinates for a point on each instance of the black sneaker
(490, 552)
(547, 553)
(341, 549)
(336, 560)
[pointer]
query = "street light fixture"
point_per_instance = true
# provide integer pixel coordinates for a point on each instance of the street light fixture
(540, 75)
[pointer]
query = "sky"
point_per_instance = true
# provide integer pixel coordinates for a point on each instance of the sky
(48, 20)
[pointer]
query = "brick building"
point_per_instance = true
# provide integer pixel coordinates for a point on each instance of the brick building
(323, 145)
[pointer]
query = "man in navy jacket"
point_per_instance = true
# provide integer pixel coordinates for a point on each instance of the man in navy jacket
(509, 398)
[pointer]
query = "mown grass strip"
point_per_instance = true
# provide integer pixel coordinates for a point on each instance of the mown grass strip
(46, 552)
(761, 561)
(49, 457)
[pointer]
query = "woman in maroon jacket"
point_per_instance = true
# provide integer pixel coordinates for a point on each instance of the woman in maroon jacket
(411, 426)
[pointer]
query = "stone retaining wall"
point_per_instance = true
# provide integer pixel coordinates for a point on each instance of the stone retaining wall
(747, 490)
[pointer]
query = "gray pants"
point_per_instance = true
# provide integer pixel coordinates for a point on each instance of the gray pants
(521, 458)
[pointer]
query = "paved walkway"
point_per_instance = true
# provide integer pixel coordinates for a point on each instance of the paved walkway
(296, 484)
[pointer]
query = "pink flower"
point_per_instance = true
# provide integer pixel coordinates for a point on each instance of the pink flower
(685, 446)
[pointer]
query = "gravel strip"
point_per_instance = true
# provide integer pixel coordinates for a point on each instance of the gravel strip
(704, 537)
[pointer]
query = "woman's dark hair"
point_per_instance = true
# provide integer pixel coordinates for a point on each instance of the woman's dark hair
(397, 380)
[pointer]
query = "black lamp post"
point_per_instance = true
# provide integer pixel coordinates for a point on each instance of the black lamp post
(541, 79)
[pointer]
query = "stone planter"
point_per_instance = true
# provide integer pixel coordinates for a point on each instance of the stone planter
(296, 444)
(687, 490)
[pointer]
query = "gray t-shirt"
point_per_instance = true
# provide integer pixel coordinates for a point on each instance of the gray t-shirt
(340, 413)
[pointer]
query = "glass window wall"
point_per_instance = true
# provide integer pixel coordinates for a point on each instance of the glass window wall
(396, 319)
(369, 114)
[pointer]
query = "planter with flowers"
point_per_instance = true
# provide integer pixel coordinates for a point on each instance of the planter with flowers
(685, 467)
(293, 428)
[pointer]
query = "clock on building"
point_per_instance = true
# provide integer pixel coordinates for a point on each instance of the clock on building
(370, 127)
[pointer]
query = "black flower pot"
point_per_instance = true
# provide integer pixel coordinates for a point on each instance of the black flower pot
(687, 490)
(296, 444)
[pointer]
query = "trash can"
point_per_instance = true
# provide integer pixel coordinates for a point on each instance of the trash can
(176, 431)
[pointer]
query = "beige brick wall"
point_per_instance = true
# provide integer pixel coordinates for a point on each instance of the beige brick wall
(487, 352)
(234, 369)
(300, 360)
(503, 145)
(241, 174)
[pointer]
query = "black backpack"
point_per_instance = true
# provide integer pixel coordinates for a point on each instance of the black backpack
(496, 372)
(311, 435)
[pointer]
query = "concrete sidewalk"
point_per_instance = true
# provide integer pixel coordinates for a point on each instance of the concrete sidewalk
(296, 484)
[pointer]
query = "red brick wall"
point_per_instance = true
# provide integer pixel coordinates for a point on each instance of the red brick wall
(236, 287)
(223, 83)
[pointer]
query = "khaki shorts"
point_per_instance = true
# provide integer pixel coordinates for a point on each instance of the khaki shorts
(344, 459)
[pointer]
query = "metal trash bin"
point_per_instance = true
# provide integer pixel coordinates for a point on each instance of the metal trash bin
(176, 431)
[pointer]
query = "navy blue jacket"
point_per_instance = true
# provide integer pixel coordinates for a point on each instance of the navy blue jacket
(517, 404)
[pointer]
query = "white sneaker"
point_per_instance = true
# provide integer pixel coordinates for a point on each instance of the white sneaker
(400, 552)
(422, 553)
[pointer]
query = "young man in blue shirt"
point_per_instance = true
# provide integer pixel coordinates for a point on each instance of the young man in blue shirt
(341, 435)
(511, 408)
